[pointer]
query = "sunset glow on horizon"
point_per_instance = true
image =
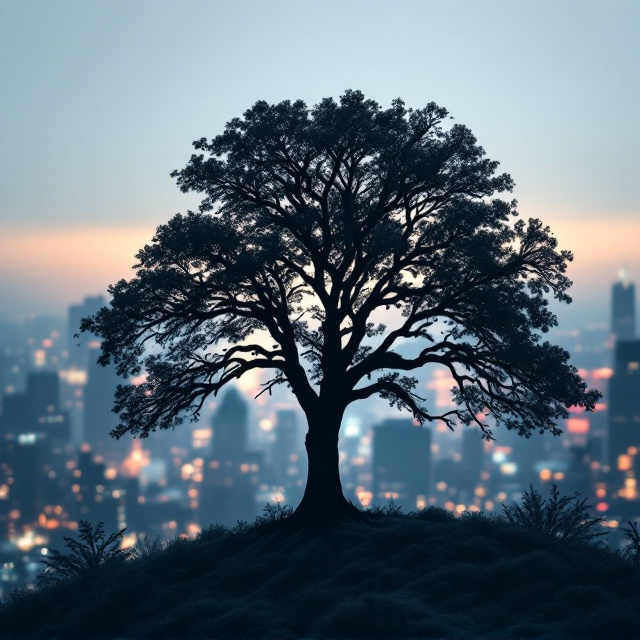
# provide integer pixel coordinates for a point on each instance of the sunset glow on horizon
(101, 108)
(60, 266)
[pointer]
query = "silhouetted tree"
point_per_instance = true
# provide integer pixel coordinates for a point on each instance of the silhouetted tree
(313, 221)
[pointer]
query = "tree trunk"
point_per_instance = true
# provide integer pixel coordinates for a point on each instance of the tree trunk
(323, 502)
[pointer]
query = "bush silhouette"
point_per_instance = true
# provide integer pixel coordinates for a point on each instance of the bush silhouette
(274, 513)
(564, 518)
(631, 551)
(87, 557)
(422, 574)
(147, 547)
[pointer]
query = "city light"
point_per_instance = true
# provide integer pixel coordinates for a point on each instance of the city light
(364, 496)
(198, 475)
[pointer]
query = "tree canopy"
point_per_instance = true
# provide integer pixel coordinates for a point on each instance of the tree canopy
(312, 222)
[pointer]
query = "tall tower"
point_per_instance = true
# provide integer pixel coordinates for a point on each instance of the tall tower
(230, 427)
(79, 349)
(98, 419)
(286, 445)
(401, 462)
(624, 408)
(228, 488)
(37, 410)
(623, 308)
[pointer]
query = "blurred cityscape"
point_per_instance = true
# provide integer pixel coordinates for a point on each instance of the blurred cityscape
(58, 464)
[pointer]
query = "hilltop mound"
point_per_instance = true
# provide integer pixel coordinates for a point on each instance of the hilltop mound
(426, 575)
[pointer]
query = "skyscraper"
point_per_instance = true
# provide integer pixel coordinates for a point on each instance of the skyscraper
(473, 458)
(285, 446)
(401, 463)
(624, 411)
(230, 426)
(23, 458)
(78, 347)
(228, 488)
(623, 308)
(37, 410)
(98, 418)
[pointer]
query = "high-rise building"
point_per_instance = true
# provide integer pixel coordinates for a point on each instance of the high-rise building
(401, 463)
(230, 426)
(286, 446)
(473, 458)
(98, 417)
(43, 395)
(92, 501)
(23, 458)
(230, 475)
(288, 464)
(78, 348)
(13, 418)
(37, 410)
(624, 409)
(43, 390)
(623, 309)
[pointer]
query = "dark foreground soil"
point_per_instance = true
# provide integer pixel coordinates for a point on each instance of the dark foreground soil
(426, 576)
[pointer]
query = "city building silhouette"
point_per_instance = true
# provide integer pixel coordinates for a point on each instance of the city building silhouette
(623, 308)
(624, 418)
(79, 348)
(92, 501)
(401, 463)
(24, 459)
(97, 415)
(230, 426)
(472, 462)
(623, 436)
(226, 487)
(288, 463)
(37, 410)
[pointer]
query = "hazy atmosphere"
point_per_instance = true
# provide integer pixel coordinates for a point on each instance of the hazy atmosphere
(363, 420)
(101, 101)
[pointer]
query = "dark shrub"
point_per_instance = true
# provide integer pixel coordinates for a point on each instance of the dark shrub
(87, 557)
(564, 518)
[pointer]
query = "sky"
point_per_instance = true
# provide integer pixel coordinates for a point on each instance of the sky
(100, 101)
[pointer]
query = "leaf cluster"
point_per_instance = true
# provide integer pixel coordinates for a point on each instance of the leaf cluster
(313, 220)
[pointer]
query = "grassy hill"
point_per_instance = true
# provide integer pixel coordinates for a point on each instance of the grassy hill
(423, 575)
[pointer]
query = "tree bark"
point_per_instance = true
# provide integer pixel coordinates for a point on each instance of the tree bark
(323, 502)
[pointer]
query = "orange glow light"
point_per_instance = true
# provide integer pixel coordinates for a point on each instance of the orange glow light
(545, 474)
(625, 463)
(578, 425)
(364, 497)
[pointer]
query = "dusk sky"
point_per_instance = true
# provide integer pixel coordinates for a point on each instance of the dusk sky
(100, 101)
